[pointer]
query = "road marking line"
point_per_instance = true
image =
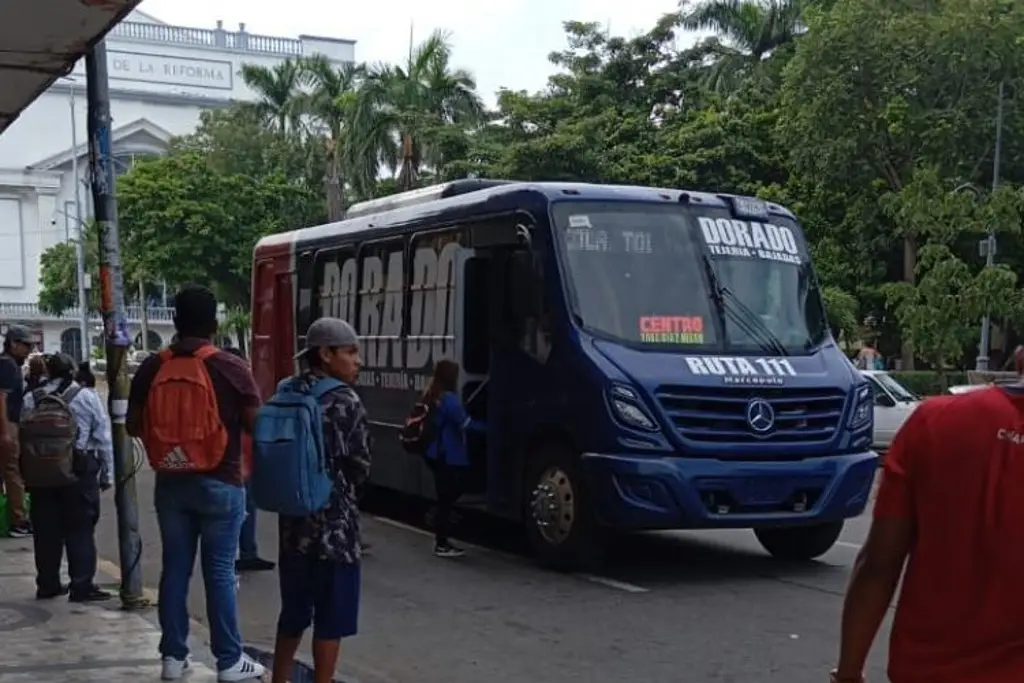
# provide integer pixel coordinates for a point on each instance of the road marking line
(613, 583)
(847, 544)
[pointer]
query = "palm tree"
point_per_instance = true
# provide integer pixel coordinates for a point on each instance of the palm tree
(750, 31)
(331, 101)
(278, 88)
(401, 109)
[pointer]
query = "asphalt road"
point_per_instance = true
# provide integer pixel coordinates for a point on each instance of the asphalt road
(696, 607)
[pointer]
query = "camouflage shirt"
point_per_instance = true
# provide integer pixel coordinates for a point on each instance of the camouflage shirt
(333, 533)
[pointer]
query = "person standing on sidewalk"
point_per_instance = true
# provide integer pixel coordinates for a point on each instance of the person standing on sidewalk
(249, 559)
(66, 516)
(191, 404)
(949, 507)
(320, 555)
(18, 345)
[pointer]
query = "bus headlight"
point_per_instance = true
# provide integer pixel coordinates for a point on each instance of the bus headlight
(863, 409)
(628, 408)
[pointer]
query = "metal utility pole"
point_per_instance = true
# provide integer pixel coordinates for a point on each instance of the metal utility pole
(989, 244)
(143, 316)
(83, 299)
(115, 325)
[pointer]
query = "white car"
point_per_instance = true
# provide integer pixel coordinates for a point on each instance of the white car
(893, 405)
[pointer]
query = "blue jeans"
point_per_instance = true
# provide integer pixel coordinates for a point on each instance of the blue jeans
(196, 511)
(247, 549)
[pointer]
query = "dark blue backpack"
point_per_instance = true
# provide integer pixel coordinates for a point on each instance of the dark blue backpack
(290, 471)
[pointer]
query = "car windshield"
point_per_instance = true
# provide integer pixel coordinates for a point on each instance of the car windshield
(676, 275)
(898, 391)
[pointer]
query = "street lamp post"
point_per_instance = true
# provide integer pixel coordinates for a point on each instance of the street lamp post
(988, 245)
(83, 299)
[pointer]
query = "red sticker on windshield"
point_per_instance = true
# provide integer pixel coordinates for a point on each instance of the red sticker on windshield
(672, 329)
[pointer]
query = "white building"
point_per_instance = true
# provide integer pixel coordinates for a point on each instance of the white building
(161, 78)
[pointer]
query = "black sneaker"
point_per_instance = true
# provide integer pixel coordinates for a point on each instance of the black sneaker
(20, 531)
(93, 594)
(50, 594)
(447, 550)
(253, 564)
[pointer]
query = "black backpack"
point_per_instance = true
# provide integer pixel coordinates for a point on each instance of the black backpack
(420, 430)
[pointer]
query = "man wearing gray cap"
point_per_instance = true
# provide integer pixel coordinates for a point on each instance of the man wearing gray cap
(319, 562)
(18, 344)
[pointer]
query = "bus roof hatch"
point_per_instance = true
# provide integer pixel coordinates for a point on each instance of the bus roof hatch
(421, 196)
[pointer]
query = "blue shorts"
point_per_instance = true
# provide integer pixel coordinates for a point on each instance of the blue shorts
(318, 592)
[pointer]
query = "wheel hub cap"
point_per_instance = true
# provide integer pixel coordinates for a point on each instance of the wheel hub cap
(553, 505)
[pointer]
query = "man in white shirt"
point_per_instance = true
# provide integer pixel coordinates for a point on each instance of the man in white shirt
(66, 517)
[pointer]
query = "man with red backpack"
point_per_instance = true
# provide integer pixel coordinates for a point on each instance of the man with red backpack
(190, 404)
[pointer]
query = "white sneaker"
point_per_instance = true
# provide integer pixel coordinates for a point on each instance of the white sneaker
(243, 670)
(172, 669)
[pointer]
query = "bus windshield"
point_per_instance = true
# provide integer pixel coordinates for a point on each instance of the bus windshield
(687, 277)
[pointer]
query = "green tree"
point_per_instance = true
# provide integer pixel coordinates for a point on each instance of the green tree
(876, 91)
(939, 315)
(188, 222)
(749, 31)
(281, 103)
(58, 273)
(401, 107)
(332, 103)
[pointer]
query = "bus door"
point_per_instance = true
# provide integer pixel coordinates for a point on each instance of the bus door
(472, 352)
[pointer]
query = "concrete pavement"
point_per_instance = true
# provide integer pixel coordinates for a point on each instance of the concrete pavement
(710, 604)
(54, 641)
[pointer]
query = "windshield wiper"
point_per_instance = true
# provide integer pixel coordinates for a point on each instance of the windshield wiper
(740, 314)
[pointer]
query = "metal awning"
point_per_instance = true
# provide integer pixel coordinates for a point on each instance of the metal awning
(40, 41)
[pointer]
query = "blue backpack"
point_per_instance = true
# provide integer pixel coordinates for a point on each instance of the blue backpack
(290, 474)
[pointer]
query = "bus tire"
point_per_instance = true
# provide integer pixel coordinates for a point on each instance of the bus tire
(561, 526)
(799, 543)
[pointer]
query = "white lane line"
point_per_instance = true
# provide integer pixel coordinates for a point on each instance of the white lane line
(600, 580)
(613, 583)
(847, 544)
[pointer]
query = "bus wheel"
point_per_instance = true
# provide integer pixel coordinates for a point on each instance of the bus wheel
(560, 521)
(799, 542)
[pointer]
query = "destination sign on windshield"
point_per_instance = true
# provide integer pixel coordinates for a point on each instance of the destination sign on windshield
(582, 236)
(749, 239)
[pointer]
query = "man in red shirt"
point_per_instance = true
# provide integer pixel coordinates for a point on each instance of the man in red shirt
(950, 506)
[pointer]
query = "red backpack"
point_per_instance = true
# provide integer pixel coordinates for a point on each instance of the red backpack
(182, 429)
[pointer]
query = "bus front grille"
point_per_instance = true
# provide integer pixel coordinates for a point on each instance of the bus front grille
(720, 415)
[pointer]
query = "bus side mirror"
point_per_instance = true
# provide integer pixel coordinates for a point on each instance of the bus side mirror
(501, 232)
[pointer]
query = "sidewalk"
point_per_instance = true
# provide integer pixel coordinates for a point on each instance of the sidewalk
(54, 641)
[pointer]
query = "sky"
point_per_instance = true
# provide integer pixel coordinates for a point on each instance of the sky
(504, 44)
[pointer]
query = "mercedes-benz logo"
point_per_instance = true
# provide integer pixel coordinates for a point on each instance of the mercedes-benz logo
(760, 415)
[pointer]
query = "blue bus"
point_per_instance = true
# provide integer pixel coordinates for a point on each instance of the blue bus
(644, 358)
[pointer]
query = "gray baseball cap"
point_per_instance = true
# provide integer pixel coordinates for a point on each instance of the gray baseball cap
(329, 332)
(20, 333)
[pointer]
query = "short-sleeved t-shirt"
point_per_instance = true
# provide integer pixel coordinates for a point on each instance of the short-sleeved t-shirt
(12, 383)
(235, 389)
(957, 469)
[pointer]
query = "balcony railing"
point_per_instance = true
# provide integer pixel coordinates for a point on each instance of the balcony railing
(239, 41)
(10, 312)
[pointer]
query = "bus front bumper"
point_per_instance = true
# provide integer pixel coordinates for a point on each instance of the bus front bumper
(635, 493)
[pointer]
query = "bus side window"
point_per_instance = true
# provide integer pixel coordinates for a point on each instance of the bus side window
(526, 298)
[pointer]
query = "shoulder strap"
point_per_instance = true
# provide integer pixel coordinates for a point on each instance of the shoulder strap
(205, 351)
(71, 394)
(325, 385)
